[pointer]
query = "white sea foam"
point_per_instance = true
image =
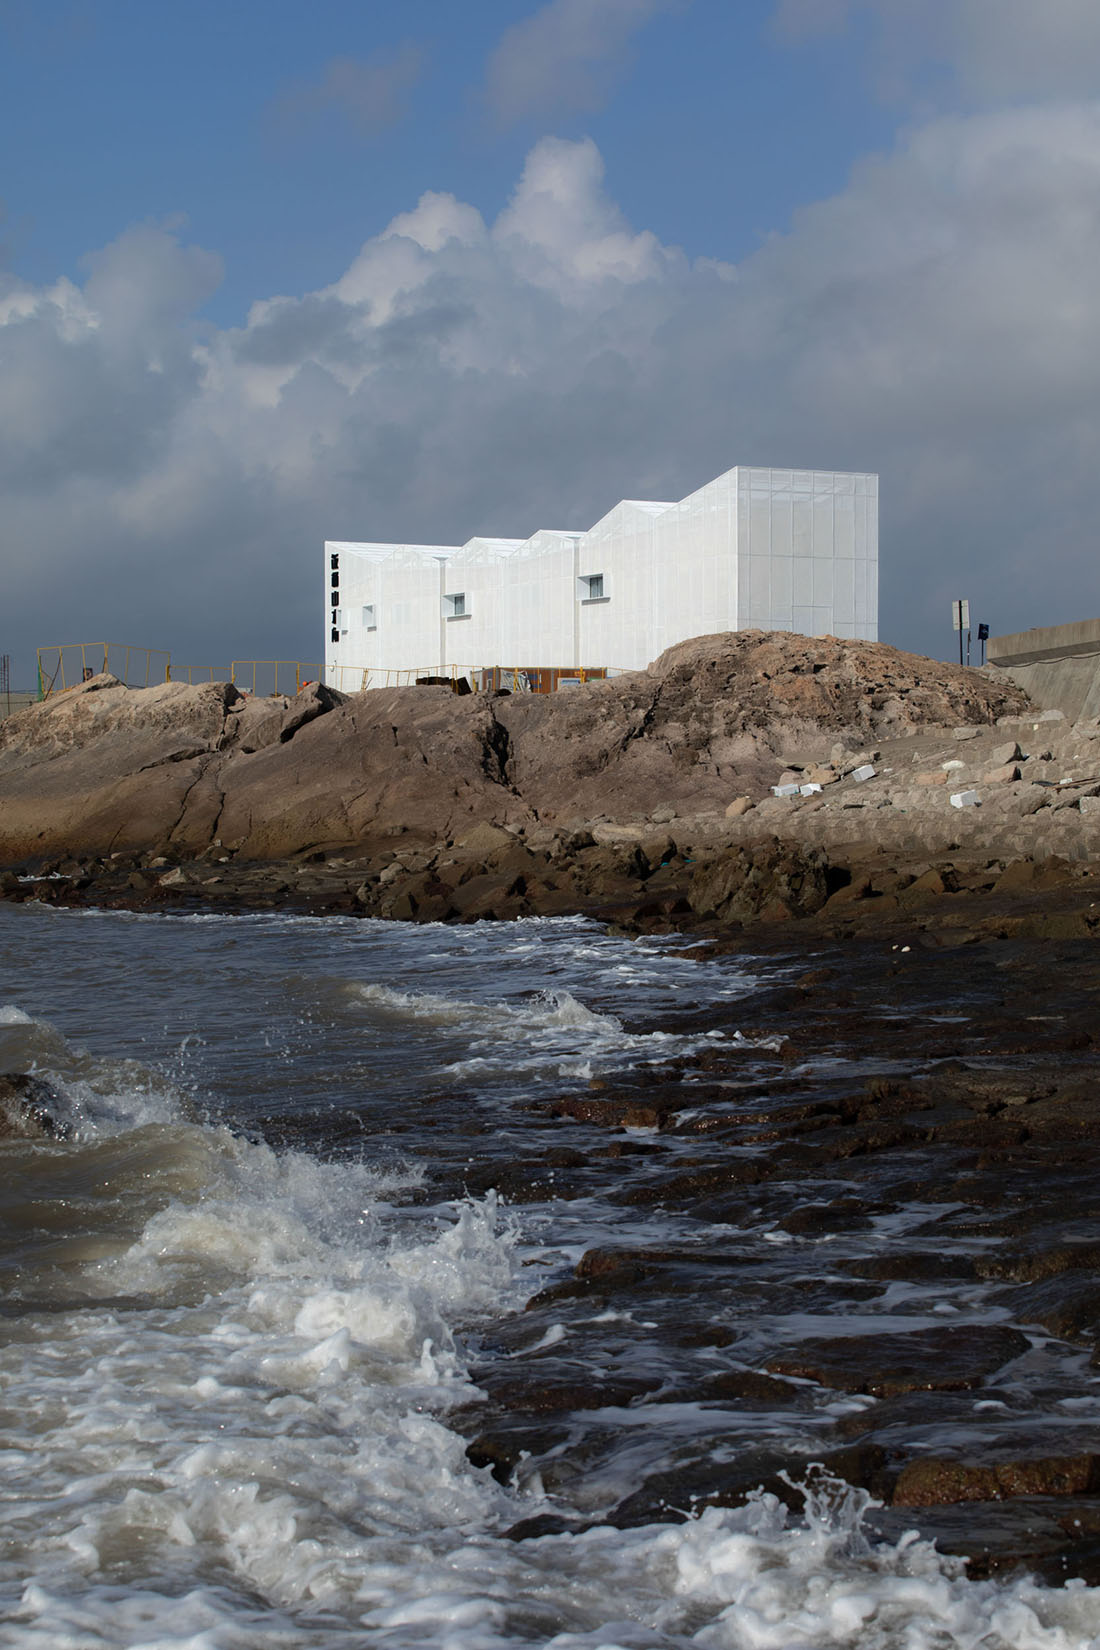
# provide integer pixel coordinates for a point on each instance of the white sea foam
(255, 1452)
(549, 1031)
(232, 1428)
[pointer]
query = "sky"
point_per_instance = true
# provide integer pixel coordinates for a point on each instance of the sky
(272, 273)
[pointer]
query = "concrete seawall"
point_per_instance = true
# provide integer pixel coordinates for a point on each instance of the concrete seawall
(1058, 666)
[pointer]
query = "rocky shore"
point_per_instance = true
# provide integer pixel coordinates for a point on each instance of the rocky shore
(743, 779)
(907, 1110)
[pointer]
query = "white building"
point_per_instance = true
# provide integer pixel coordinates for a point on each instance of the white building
(755, 549)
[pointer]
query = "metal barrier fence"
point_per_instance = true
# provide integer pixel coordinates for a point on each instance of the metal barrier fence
(200, 673)
(69, 663)
(256, 676)
(266, 676)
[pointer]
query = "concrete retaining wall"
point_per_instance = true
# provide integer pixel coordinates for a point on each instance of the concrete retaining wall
(1058, 665)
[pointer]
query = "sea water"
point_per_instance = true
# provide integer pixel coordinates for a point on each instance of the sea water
(227, 1366)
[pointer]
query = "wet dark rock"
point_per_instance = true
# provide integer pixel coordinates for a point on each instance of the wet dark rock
(673, 1495)
(1068, 1305)
(1035, 1264)
(31, 1108)
(651, 1111)
(533, 1394)
(1054, 1541)
(817, 1219)
(929, 1482)
(925, 1360)
(912, 1267)
(742, 1389)
(532, 1529)
(502, 1449)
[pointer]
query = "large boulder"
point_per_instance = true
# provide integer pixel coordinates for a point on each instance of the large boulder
(105, 767)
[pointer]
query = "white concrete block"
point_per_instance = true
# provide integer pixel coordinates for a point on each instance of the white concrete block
(863, 773)
(966, 799)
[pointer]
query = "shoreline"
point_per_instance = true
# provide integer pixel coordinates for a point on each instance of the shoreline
(909, 1126)
(749, 895)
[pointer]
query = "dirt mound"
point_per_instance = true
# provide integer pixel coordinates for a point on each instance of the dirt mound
(776, 683)
(724, 713)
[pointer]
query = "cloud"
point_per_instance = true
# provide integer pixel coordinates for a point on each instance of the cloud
(171, 483)
(565, 57)
(371, 92)
(992, 50)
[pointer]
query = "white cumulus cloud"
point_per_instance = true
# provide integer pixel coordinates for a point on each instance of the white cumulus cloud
(171, 483)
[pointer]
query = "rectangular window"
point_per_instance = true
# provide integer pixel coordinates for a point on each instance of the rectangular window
(454, 607)
(335, 581)
(336, 618)
(334, 562)
(590, 588)
(369, 621)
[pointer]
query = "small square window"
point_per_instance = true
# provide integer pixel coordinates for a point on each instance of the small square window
(454, 606)
(369, 621)
(590, 588)
(334, 635)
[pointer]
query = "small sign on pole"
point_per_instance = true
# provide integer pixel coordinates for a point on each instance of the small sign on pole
(960, 621)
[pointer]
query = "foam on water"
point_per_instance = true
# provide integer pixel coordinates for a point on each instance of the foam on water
(501, 1036)
(243, 1442)
(227, 1384)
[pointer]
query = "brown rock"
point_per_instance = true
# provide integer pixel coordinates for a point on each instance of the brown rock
(1001, 775)
(30, 1108)
(933, 1360)
(930, 1482)
(106, 767)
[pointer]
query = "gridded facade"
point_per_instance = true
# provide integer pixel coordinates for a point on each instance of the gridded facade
(753, 549)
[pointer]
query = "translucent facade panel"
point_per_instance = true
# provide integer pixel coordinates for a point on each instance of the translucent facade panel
(782, 591)
(823, 524)
(844, 526)
(781, 541)
(802, 581)
(802, 527)
(760, 523)
(844, 591)
(822, 582)
(760, 591)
